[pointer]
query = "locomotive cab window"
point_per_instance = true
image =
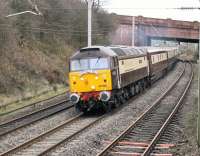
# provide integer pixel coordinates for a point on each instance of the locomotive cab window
(89, 64)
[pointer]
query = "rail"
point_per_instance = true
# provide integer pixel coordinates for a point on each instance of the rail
(162, 129)
(4, 107)
(55, 132)
(20, 119)
(140, 118)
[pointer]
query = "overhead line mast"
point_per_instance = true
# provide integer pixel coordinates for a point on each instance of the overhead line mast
(89, 3)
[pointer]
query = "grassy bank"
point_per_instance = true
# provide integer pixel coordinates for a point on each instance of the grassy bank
(34, 98)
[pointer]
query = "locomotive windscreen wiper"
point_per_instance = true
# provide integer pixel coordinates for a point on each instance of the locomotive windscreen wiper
(97, 60)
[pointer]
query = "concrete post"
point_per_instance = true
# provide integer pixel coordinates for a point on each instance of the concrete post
(198, 120)
(133, 31)
(90, 22)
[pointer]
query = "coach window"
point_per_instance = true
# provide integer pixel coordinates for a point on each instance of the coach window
(140, 61)
(158, 56)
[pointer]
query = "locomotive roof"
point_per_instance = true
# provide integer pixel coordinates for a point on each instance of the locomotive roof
(93, 51)
(128, 51)
(106, 51)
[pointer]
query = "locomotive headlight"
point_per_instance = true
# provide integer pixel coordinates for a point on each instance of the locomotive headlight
(93, 87)
(74, 98)
(105, 96)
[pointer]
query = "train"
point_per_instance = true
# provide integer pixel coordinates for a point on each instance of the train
(103, 77)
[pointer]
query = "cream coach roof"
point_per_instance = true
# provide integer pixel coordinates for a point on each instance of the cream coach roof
(156, 49)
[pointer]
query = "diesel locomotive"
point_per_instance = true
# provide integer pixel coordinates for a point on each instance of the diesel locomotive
(106, 76)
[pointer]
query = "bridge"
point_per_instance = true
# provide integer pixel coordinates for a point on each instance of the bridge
(148, 29)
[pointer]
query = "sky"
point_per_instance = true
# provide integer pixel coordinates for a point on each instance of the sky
(154, 8)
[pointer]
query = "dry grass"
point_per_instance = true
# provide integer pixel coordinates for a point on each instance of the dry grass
(9, 107)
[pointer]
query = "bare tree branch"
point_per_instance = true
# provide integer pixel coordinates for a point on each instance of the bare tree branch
(35, 10)
(35, 7)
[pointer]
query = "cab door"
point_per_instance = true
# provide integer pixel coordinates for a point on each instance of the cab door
(115, 73)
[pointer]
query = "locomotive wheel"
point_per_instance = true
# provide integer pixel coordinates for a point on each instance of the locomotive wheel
(107, 107)
(126, 95)
(77, 108)
(141, 86)
(137, 89)
(116, 102)
(132, 91)
(145, 84)
(122, 99)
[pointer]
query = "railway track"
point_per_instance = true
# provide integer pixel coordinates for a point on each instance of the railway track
(142, 136)
(47, 141)
(33, 104)
(26, 120)
(44, 143)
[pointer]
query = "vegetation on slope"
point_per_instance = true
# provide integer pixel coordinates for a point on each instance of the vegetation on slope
(34, 49)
